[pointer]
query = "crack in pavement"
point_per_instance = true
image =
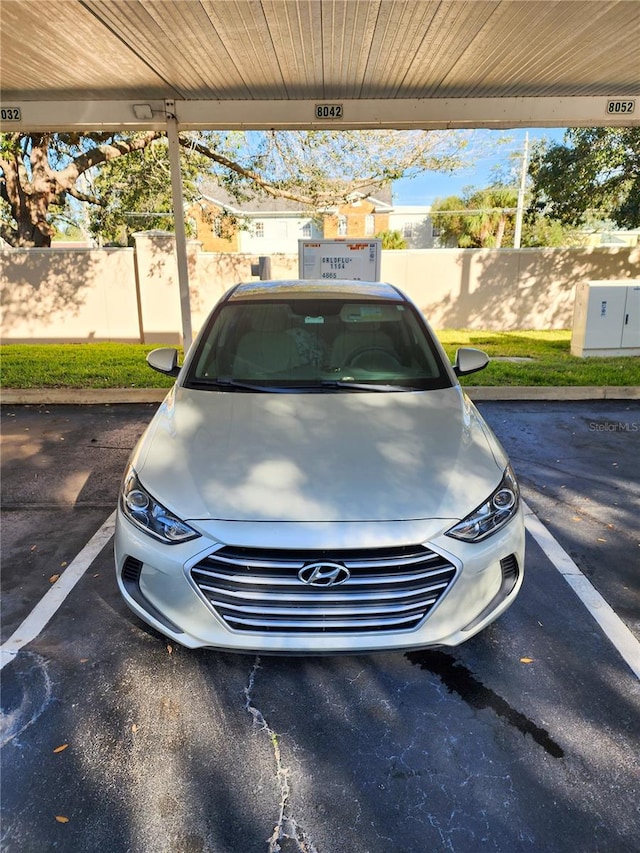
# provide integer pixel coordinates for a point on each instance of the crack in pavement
(287, 830)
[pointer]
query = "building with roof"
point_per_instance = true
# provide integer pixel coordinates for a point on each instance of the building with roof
(263, 225)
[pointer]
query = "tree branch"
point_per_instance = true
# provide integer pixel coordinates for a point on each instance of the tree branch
(86, 197)
(270, 189)
(103, 154)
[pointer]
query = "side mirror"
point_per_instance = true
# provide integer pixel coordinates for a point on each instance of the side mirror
(469, 360)
(164, 360)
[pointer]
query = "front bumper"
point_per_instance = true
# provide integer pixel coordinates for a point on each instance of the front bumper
(156, 582)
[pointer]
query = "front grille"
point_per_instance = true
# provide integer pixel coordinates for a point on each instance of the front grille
(389, 589)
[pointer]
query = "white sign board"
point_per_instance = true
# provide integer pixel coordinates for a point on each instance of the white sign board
(358, 260)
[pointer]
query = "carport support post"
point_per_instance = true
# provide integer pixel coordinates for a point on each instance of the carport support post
(178, 216)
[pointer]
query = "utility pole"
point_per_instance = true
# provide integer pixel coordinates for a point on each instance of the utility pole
(517, 237)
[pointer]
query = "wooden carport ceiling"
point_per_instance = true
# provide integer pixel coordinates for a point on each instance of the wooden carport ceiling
(266, 63)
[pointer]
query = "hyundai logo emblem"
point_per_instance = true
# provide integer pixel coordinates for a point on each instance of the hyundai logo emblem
(324, 574)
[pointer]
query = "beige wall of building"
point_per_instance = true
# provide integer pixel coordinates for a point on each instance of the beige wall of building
(84, 295)
(205, 216)
(355, 216)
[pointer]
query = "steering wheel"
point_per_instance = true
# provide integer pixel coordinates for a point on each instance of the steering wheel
(379, 357)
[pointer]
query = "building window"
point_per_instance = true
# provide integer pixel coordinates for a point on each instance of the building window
(407, 230)
(435, 231)
(306, 230)
(342, 226)
(369, 224)
(259, 229)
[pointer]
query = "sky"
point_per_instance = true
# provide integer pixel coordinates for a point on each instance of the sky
(424, 189)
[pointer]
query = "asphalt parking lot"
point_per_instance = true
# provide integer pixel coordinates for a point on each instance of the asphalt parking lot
(526, 738)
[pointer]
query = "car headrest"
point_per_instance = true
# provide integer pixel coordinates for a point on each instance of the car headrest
(269, 318)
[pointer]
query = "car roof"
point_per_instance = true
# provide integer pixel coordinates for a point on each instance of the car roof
(315, 289)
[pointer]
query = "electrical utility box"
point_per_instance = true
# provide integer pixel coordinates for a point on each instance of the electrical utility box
(357, 260)
(606, 318)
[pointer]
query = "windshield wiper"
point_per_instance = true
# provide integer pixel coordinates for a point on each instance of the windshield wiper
(361, 386)
(227, 382)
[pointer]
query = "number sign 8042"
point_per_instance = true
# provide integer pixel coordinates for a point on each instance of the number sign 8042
(329, 111)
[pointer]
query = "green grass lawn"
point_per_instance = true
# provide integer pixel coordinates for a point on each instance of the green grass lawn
(103, 365)
(551, 361)
(110, 365)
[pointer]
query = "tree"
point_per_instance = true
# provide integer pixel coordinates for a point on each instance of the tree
(134, 192)
(539, 230)
(315, 168)
(39, 170)
(392, 240)
(480, 219)
(595, 173)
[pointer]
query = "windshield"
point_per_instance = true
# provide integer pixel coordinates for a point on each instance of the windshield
(317, 345)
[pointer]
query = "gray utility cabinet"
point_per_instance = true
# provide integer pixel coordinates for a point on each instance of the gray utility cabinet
(606, 318)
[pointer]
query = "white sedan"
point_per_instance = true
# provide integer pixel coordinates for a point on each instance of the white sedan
(316, 481)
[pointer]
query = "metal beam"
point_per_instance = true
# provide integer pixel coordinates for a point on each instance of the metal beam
(58, 116)
(408, 113)
(403, 114)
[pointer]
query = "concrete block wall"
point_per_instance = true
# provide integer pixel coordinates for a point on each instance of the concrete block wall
(132, 294)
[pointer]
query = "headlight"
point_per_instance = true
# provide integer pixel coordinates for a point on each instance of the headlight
(494, 513)
(149, 515)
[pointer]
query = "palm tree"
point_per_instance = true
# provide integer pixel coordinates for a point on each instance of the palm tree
(392, 240)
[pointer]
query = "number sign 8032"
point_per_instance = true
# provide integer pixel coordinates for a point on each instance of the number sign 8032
(10, 114)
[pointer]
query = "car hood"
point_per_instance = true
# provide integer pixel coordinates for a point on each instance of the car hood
(349, 456)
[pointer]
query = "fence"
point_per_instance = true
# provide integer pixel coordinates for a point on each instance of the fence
(76, 295)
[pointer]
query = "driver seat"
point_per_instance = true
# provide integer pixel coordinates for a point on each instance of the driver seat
(269, 347)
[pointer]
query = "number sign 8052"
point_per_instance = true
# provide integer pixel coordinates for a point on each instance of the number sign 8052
(621, 107)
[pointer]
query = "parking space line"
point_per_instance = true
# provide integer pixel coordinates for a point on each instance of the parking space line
(608, 620)
(54, 598)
